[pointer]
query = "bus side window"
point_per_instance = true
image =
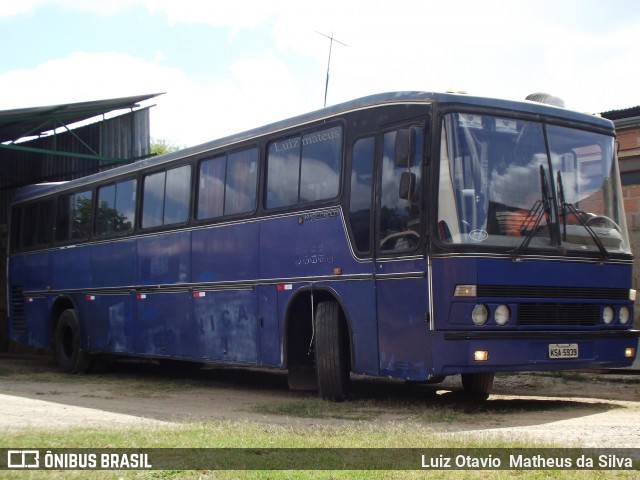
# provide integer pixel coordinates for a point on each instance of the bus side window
(73, 216)
(240, 184)
(116, 208)
(165, 197)
(211, 188)
(283, 173)
(304, 169)
(36, 224)
(321, 165)
(153, 199)
(361, 191)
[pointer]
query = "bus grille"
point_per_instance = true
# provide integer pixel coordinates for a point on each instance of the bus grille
(528, 291)
(558, 314)
(18, 320)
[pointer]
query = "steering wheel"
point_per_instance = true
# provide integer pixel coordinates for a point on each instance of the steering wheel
(408, 234)
(602, 221)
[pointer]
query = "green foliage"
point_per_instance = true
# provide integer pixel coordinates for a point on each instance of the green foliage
(160, 147)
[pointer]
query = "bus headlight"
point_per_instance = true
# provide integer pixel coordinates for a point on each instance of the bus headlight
(501, 315)
(607, 315)
(479, 314)
(624, 315)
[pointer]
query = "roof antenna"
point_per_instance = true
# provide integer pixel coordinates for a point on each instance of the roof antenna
(326, 85)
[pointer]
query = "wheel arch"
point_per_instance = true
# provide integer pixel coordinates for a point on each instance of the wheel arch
(298, 333)
(61, 304)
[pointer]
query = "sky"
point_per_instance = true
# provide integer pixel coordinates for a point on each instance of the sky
(229, 66)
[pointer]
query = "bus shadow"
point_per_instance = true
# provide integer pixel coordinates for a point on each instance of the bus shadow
(443, 403)
(147, 389)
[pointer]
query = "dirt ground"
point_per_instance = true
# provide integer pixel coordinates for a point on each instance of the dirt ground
(592, 409)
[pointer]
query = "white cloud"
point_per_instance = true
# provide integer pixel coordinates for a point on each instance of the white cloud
(238, 13)
(80, 77)
(252, 92)
(504, 49)
(8, 9)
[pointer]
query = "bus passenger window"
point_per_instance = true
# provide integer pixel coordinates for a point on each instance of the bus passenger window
(304, 169)
(211, 188)
(176, 196)
(153, 200)
(116, 208)
(37, 224)
(165, 197)
(361, 191)
(321, 165)
(73, 216)
(240, 185)
(283, 173)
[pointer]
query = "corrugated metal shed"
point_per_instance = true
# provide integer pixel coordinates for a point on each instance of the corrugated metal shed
(23, 122)
(64, 156)
(623, 113)
(73, 153)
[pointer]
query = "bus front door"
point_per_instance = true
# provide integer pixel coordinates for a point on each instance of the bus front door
(400, 267)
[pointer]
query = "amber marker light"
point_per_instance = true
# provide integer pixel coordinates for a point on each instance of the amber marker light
(481, 355)
(629, 352)
(466, 291)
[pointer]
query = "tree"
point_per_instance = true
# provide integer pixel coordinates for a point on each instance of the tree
(159, 146)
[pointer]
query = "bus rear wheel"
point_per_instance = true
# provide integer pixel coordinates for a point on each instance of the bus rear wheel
(478, 385)
(67, 351)
(331, 350)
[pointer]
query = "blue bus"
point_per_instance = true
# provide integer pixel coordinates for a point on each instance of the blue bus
(409, 235)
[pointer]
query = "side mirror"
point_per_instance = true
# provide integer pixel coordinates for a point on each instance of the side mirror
(405, 146)
(407, 185)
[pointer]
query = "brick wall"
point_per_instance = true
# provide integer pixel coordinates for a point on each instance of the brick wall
(631, 195)
(628, 154)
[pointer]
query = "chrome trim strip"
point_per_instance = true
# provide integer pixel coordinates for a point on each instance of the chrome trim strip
(208, 286)
(524, 258)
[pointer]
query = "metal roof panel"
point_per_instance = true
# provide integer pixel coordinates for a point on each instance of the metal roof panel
(18, 123)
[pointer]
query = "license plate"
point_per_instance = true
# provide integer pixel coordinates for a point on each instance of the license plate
(563, 350)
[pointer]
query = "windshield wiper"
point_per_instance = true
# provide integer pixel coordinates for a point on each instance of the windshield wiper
(540, 208)
(574, 211)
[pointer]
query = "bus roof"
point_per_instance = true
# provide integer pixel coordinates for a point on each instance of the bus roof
(525, 106)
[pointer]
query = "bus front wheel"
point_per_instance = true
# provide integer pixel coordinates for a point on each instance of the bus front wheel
(331, 350)
(478, 385)
(68, 353)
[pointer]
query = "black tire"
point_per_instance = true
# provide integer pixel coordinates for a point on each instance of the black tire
(478, 385)
(67, 350)
(332, 352)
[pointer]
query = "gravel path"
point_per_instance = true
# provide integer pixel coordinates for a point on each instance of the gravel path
(538, 407)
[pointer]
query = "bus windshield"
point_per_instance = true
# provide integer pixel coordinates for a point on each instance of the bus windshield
(524, 185)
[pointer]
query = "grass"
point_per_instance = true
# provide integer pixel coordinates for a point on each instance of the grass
(588, 377)
(450, 411)
(263, 435)
(366, 421)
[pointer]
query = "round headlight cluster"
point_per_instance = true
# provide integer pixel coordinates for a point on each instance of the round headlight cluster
(501, 315)
(624, 315)
(480, 314)
(609, 315)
